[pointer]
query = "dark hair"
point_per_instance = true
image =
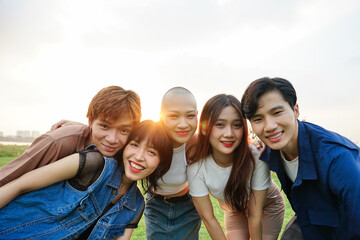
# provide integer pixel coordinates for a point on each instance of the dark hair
(235, 192)
(155, 135)
(112, 102)
(256, 89)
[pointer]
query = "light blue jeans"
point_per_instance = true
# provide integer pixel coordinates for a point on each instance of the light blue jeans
(171, 221)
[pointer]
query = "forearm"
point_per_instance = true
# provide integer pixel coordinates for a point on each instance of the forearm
(9, 192)
(127, 234)
(214, 229)
(255, 227)
(60, 170)
(255, 209)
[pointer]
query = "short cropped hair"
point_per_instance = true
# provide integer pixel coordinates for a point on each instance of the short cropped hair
(178, 89)
(112, 102)
(256, 89)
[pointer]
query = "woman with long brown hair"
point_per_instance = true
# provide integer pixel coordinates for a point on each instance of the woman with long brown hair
(226, 166)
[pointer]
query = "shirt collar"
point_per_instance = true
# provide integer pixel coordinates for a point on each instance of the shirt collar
(307, 168)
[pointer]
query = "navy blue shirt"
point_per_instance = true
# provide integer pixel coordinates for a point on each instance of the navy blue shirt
(326, 193)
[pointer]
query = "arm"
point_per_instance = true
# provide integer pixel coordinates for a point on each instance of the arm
(204, 207)
(126, 235)
(255, 208)
(344, 182)
(64, 123)
(62, 169)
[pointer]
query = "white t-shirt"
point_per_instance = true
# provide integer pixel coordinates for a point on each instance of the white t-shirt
(290, 167)
(174, 180)
(205, 177)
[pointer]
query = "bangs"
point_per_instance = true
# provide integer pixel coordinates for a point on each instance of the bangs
(150, 131)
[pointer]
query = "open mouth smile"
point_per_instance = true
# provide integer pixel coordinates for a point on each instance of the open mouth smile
(134, 167)
(227, 143)
(276, 137)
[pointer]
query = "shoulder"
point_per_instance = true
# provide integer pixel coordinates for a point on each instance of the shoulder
(325, 143)
(70, 131)
(319, 135)
(198, 168)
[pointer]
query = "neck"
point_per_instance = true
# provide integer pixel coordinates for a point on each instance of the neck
(126, 182)
(176, 144)
(88, 140)
(223, 160)
(291, 150)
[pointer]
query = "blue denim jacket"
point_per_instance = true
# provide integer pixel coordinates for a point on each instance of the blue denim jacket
(326, 193)
(62, 212)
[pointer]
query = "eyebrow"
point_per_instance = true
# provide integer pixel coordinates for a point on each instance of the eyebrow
(271, 110)
(176, 111)
(277, 107)
(122, 125)
(224, 120)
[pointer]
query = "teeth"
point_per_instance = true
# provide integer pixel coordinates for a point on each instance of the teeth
(275, 136)
(136, 166)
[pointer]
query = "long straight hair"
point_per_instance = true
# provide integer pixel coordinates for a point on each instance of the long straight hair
(236, 192)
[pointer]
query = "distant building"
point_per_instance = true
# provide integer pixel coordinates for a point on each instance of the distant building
(23, 134)
(35, 134)
(1, 134)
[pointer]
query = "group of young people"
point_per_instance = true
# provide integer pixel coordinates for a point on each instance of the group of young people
(79, 181)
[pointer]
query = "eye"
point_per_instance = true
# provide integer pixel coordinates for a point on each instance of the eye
(237, 125)
(219, 125)
(152, 152)
(191, 116)
(172, 116)
(103, 126)
(125, 131)
(256, 120)
(277, 112)
(134, 144)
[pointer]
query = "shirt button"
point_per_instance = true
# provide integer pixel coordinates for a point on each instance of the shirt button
(76, 236)
(82, 207)
(114, 192)
(113, 236)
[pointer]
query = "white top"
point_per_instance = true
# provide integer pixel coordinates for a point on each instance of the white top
(174, 180)
(290, 167)
(205, 177)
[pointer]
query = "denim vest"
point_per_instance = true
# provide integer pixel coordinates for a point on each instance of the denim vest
(61, 212)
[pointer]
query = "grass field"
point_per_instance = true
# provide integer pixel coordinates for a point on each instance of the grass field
(9, 152)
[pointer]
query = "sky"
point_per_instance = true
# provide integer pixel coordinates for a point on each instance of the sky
(56, 55)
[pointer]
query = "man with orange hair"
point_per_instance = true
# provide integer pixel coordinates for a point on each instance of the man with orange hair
(112, 114)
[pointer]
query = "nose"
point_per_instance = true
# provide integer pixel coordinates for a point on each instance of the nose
(228, 132)
(270, 124)
(183, 123)
(112, 136)
(140, 153)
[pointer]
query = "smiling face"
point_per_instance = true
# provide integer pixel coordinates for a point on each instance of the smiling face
(226, 134)
(275, 123)
(110, 137)
(179, 115)
(140, 160)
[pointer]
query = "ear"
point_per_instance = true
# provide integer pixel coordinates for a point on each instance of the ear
(296, 110)
(203, 131)
(203, 127)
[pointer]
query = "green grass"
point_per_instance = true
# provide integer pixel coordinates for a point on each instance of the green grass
(9, 152)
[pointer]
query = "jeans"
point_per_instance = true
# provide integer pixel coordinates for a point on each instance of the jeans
(175, 221)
